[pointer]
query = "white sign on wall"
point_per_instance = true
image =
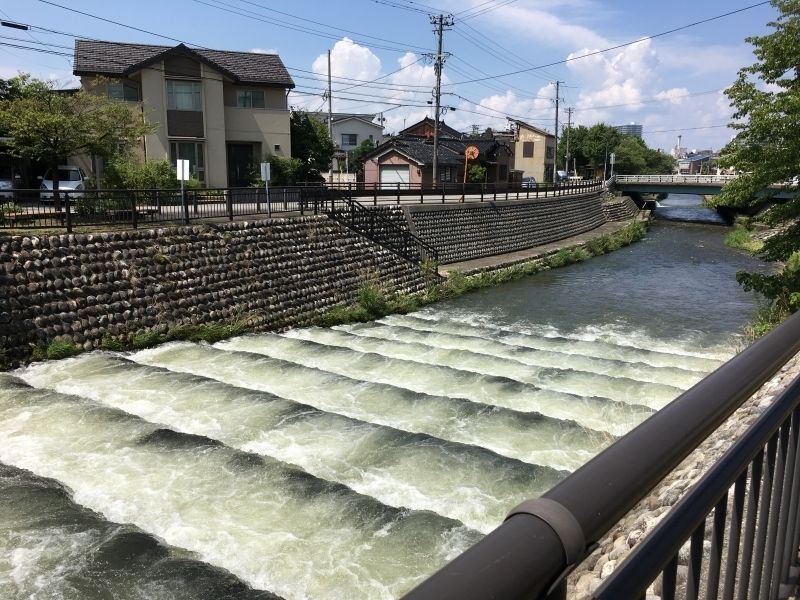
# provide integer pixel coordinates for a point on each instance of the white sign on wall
(182, 167)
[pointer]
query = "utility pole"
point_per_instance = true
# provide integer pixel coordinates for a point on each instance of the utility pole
(555, 158)
(440, 21)
(569, 127)
(330, 113)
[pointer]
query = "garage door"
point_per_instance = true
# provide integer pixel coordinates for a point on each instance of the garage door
(391, 175)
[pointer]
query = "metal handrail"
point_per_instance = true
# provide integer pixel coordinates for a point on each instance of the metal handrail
(526, 558)
(632, 578)
(694, 179)
(378, 228)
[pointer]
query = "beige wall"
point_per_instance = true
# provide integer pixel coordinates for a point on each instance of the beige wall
(214, 120)
(532, 166)
(269, 127)
(155, 110)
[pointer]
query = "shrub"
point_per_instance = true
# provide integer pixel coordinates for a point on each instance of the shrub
(372, 299)
(147, 339)
(61, 349)
(112, 344)
(741, 238)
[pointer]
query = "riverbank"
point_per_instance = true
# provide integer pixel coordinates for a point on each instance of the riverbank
(460, 278)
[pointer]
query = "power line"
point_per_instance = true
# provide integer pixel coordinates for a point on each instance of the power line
(618, 46)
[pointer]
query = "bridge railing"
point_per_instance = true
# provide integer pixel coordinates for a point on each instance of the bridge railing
(543, 540)
(688, 179)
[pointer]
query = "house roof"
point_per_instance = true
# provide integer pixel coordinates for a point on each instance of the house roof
(116, 59)
(444, 129)
(451, 151)
(533, 128)
(339, 117)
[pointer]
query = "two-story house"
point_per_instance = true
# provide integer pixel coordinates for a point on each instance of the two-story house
(534, 151)
(221, 110)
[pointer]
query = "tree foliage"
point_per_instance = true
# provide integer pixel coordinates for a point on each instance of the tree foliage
(311, 145)
(766, 149)
(476, 174)
(591, 147)
(356, 156)
(50, 126)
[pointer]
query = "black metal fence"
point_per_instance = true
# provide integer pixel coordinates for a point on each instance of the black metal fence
(32, 209)
(754, 533)
(378, 226)
(38, 209)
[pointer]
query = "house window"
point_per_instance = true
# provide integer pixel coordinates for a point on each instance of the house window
(277, 147)
(194, 153)
(123, 90)
(250, 98)
(549, 152)
(527, 149)
(445, 173)
(349, 139)
(184, 95)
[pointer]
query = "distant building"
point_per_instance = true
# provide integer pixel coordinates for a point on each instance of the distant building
(697, 162)
(534, 151)
(630, 129)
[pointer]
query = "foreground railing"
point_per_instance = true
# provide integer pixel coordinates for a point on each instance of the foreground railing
(543, 540)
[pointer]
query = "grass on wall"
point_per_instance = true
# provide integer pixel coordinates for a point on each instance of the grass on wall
(373, 302)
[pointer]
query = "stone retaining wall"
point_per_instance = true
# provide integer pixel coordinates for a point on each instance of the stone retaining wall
(620, 209)
(277, 273)
(466, 231)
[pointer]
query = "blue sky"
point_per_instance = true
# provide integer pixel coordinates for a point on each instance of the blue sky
(671, 84)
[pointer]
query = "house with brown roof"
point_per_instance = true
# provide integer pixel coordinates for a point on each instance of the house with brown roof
(221, 110)
(534, 151)
(407, 159)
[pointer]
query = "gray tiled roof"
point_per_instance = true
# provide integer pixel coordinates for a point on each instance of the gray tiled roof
(121, 59)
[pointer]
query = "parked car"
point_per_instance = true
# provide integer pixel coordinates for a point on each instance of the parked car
(70, 179)
(529, 182)
(10, 180)
(562, 175)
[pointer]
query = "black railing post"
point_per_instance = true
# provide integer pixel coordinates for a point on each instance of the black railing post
(398, 192)
(67, 213)
(482, 186)
(229, 203)
(134, 211)
(185, 202)
(375, 194)
(444, 185)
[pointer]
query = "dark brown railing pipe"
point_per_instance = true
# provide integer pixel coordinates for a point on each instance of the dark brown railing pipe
(533, 549)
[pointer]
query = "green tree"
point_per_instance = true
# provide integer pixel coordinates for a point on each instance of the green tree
(766, 149)
(588, 147)
(49, 125)
(356, 158)
(476, 174)
(311, 145)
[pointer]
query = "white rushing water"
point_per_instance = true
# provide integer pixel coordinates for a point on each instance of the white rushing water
(319, 463)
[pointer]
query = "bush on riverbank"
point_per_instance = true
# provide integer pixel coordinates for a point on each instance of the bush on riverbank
(373, 303)
(741, 237)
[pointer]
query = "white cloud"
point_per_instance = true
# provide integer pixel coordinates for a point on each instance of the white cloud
(264, 50)
(350, 60)
(673, 96)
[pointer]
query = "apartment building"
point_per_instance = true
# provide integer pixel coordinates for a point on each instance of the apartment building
(221, 110)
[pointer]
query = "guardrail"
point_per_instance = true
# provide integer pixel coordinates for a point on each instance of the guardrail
(543, 540)
(690, 179)
(375, 225)
(37, 209)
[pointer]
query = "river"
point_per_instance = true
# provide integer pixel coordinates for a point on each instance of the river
(348, 462)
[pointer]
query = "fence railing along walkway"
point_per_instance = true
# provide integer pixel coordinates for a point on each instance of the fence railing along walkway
(37, 209)
(751, 497)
